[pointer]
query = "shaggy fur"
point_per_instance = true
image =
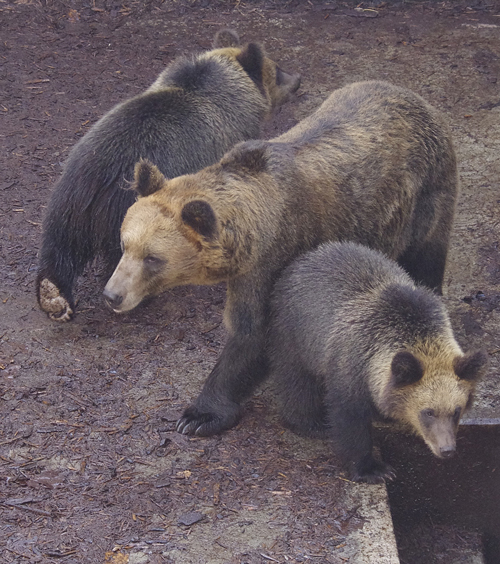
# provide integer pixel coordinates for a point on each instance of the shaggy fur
(351, 335)
(194, 112)
(374, 164)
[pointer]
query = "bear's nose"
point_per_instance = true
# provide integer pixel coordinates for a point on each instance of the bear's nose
(447, 451)
(114, 300)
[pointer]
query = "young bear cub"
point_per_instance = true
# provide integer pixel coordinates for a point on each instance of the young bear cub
(352, 335)
(374, 164)
(197, 109)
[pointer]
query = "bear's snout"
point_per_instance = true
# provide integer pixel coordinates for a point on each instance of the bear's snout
(113, 300)
(447, 451)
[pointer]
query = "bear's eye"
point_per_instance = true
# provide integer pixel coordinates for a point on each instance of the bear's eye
(429, 413)
(456, 415)
(153, 262)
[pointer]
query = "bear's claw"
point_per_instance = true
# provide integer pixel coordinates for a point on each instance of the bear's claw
(53, 303)
(377, 473)
(204, 424)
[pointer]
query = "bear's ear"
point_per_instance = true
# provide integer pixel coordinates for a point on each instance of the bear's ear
(199, 215)
(226, 38)
(250, 157)
(471, 366)
(406, 369)
(251, 59)
(147, 178)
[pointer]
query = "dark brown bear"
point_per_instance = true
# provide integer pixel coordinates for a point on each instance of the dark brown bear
(352, 336)
(374, 164)
(194, 112)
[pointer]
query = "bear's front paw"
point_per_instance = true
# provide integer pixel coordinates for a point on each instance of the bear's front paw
(205, 423)
(53, 303)
(373, 472)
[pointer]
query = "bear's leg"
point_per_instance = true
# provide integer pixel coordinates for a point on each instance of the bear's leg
(72, 238)
(425, 258)
(62, 259)
(350, 425)
(241, 367)
(302, 399)
(426, 264)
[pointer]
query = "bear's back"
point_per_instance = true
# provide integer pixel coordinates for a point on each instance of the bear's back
(368, 107)
(347, 301)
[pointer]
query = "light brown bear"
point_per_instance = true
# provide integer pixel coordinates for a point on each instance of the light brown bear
(197, 109)
(374, 164)
(350, 337)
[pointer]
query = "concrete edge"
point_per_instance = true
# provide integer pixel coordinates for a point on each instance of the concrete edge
(375, 542)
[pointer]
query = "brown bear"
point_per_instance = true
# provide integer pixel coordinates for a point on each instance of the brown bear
(197, 109)
(374, 164)
(350, 336)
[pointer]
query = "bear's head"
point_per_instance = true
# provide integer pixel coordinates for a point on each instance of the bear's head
(274, 83)
(171, 236)
(430, 391)
(273, 86)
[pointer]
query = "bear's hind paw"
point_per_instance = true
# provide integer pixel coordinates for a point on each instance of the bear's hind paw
(53, 303)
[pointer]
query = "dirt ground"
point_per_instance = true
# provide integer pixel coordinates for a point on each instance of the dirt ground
(91, 469)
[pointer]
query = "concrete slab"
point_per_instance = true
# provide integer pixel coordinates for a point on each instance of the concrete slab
(375, 541)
